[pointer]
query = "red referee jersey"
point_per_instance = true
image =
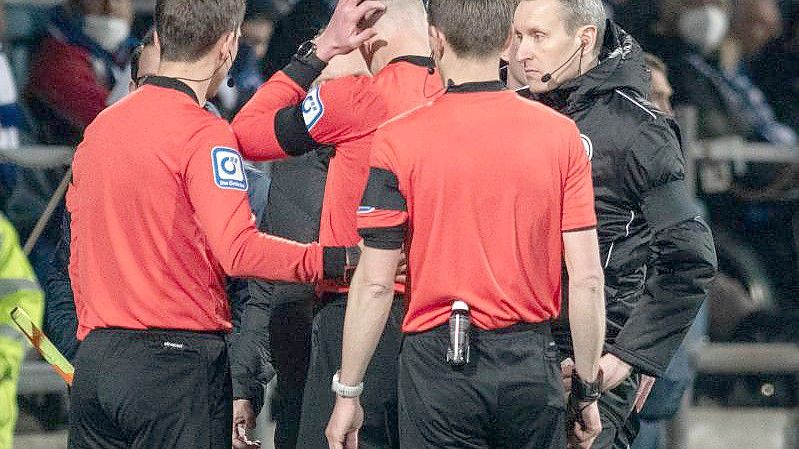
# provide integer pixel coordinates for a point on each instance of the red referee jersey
(343, 113)
(160, 214)
(483, 198)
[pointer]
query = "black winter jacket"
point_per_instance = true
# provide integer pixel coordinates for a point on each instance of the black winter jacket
(657, 251)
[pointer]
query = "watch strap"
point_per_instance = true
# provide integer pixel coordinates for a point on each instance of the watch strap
(345, 391)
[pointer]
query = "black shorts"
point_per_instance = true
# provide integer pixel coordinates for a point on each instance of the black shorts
(509, 395)
(151, 389)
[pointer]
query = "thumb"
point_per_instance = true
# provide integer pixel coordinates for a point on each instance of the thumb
(352, 440)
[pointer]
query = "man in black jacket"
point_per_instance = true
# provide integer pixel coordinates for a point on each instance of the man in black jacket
(657, 251)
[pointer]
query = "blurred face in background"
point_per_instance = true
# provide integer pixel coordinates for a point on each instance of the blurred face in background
(755, 24)
(702, 23)
(256, 33)
(661, 91)
(107, 22)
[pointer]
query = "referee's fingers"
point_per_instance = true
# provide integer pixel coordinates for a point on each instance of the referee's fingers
(369, 7)
(365, 35)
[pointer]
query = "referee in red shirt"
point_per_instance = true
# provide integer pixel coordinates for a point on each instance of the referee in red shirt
(159, 216)
(344, 113)
(487, 215)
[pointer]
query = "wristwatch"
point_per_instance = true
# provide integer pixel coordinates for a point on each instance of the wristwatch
(306, 53)
(583, 391)
(345, 391)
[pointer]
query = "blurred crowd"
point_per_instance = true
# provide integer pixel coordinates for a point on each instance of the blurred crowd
(734, 62)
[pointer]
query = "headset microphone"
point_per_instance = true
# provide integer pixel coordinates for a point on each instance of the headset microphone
(548, 76)
(231, 83)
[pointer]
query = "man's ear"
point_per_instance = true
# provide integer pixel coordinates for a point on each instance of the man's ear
(227, 43)
(506, 53)
(588, 38)
(437, 41)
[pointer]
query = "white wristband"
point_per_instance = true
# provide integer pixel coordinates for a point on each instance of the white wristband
(345, 391)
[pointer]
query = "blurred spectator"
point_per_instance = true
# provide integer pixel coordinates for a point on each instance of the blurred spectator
(79, 69)
(77, 65)
(299, 25)
(707, 48)
(256, 33)
(776, 71)
(11, 118)
(18, 288)
(660, 89)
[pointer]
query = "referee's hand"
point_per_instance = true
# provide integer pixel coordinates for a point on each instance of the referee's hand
(349, 27)
(581, 435)
(347, 419)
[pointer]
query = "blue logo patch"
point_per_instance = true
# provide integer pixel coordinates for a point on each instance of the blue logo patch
(228, 169)
(312, 108)
(365, 210)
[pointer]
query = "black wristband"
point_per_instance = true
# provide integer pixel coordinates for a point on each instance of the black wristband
(304, 72)
(583, 391)
(334, 261)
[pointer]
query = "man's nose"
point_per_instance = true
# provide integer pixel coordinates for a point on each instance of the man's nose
(524, 51)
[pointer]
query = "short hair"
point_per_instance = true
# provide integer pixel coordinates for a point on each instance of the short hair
(187, 29)
(654, 63)
(473, 28)
(580, 13)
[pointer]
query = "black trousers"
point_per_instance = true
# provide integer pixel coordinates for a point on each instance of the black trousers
(290, 337)
(151, 390)
(509, 395)
(379, 399)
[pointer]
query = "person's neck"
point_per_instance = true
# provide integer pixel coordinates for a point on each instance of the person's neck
(582, 69)
(188, 71)
(468, 70)
(396, 47)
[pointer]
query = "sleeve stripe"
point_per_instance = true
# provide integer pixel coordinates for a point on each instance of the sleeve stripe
(384, 238)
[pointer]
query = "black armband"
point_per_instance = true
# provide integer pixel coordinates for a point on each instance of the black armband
(382, 191)
(291, 132)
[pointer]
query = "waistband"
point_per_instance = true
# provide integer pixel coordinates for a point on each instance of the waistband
(543, 327)
(214, 335)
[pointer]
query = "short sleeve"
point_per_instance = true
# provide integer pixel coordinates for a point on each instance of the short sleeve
(578, 189)
(383, 214)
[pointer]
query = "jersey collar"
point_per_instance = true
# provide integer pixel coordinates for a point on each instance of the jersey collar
(422, 61)
(479, 86)
(171, 83)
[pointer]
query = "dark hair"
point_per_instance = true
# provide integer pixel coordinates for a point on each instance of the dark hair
(135, 54)
(187, 29)
(473, 28)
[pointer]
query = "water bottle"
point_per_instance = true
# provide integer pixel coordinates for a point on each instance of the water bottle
(459, 324)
